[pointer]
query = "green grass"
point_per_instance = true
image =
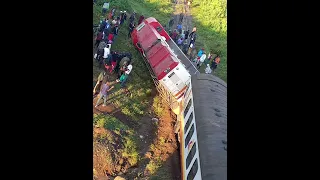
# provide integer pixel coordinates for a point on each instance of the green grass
(109, 122)
(158, 108)
(210, 17)
(130, 150)
(153, 166)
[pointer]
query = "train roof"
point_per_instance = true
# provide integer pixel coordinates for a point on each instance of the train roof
(210, 105)
(147, 35)
(158, 53)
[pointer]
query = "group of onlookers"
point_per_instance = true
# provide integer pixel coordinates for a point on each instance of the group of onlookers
(111, 62)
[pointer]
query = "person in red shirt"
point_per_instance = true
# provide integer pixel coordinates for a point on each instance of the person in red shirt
(174, 35)
(110, 38)
(98, 39)
(141, 19)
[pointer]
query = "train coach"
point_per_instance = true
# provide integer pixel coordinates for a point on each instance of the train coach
(201, 117)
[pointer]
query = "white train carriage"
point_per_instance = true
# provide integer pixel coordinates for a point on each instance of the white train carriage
(203, 128)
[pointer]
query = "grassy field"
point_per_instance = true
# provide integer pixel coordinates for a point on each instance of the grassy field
(210, 17)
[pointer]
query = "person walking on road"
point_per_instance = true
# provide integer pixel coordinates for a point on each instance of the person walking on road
(179, 27)
(179, 42)
(104, 93)
(186, 34)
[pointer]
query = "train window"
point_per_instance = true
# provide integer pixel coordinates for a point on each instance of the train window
(188, 123)
(141, 26)
(159, 29)
(191, 155)
(191, 131)
(193, 171)
(171, 75)
(187, 108)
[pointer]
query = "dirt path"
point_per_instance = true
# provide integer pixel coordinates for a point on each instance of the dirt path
(182, 8)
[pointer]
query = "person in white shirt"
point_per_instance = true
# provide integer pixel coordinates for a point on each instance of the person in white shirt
(114, 22)
(123, 79)
(129, 68)
(208, 69)
(106, 51)
(202, 58)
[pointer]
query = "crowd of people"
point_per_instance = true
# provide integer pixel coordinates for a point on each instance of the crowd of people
(186, 42)
(110, 61)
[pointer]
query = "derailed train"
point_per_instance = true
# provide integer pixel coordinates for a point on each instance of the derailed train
(201, 111)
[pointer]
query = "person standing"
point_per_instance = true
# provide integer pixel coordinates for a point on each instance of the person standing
(141, 19)
(114, 60)
(194, 29)
(115, 29)
(105, 7)
(98, 38)
(124, 78)
(99, 82)
(132, 17)
(101, 46)
(201, 60)
(104, 93)
(131, 26)
(199, 55)
(110, 38)
(215, 62)
(171, 22)
(179, 42)
(208, 69)
(181, 17)
(174, 35)
(186, 34)
(192, 36)
(185, 47)
(121, 17)
(123, 65)
(114, 21)
(179, 27)
(125, 15)
(189, 3)
(207, 61)
(113, 11)
(106, 51)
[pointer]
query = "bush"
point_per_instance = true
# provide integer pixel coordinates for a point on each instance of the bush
(158, 106)
(130, 150)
